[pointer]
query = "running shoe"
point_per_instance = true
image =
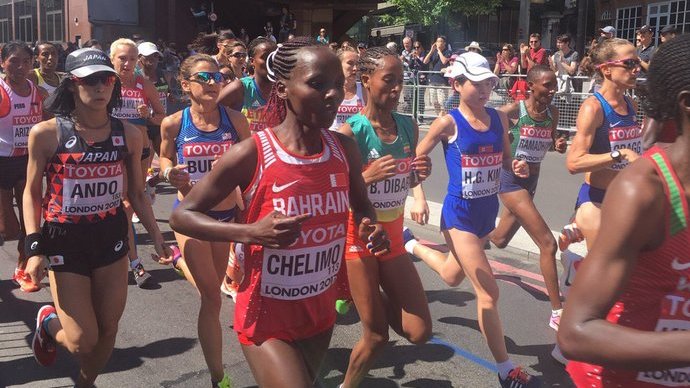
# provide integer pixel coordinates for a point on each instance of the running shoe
(555, 320)
(518, 378)
(342, 306)
(570, 261)
(177, 255)
(42, 345)
(23, 280)
(569, 234)
(407, 235)
(235, 269)
(140, 275)
(229, 288)
(225, 383)
(558, 356)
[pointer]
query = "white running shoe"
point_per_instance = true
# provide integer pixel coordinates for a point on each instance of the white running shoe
(570, 261)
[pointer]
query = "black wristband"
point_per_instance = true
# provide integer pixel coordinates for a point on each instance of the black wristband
(33, 245)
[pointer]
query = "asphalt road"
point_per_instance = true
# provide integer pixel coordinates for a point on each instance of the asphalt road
(157, 343)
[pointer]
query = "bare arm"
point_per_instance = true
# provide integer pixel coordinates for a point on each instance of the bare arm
(560, 144)
(171, 171)
(634, 207)
(589, 118)
(135, 191)
(440, 130)
(232, 95)
(152, 97)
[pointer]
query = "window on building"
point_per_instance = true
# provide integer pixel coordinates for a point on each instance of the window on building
(26, 28)
(676, 13)
(5, 23)
(52, 20)
(628, 20)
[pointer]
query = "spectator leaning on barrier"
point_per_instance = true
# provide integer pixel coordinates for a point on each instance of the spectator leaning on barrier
(564, 63)
(607, 32)
(437, 58)
(645, 49)
(535, 54)
(506, 63)
(668, 33)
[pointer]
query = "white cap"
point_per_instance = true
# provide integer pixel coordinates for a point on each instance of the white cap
(472, 66)
(608, 30)
(473, 45)
(148, 48)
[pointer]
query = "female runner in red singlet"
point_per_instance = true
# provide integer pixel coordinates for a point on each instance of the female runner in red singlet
(626, 321)
(299, 180)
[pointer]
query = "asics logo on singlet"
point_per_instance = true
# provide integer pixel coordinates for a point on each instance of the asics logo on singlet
(190, 138)
(678, 266)
(615, 124)
(34, 245)
(71, 142)
(119, 245)
(278, 189)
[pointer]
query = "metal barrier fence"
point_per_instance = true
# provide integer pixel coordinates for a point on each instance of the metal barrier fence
(425, 102)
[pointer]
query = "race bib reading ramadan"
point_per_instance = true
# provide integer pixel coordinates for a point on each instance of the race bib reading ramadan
(533, 144)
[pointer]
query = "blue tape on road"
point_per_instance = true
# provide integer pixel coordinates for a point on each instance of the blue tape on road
(465, 354)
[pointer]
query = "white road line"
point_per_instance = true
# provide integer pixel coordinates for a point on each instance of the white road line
(521, 240)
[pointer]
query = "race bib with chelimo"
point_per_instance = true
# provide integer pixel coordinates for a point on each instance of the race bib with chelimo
(675, 312)
(91, 188)
(21, 126)
(388, 196)
(303, 272)
(533, 144)
(625, 137)
(481, 174)
(131, 99)
(199, 157)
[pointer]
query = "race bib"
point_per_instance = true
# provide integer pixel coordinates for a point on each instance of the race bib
(254, 116)
(533, 144)
(675, 315)
(21, 125)
(91, 189)
(131, 99)
(388, 196)
(199, 157)
(481, 174)
(301, 273)
(625, 137)
(345, 112)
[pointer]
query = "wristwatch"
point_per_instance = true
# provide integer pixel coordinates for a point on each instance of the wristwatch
(616, 156)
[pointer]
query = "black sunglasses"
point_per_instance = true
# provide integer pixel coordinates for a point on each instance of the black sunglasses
(104, 77)
(239, 55)
(207, 76)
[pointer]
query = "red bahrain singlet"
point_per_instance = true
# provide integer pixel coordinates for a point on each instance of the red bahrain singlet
(657, 297)
(289, 293)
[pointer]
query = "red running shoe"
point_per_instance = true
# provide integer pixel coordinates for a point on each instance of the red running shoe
(42, 345)
(23, 280)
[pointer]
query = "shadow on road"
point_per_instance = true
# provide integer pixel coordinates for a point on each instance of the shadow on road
(394, 356)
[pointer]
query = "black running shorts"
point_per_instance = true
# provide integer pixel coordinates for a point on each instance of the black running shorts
(82, 248)
(12, 170)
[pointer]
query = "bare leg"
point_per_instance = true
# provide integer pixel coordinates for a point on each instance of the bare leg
(470, 250)
(521, 207)
(588, 218)
(205, 265)
(89, 310)
(276, 363)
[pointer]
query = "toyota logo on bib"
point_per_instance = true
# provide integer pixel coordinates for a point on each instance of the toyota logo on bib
(71, 141)
(119, 245)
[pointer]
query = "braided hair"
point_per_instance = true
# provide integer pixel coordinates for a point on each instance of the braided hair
(279, 65)
(668, 76)
(370, 60)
